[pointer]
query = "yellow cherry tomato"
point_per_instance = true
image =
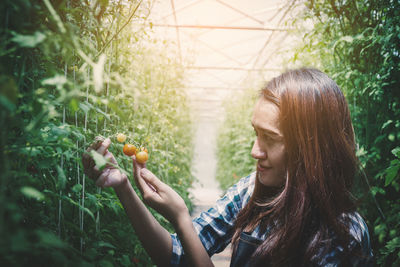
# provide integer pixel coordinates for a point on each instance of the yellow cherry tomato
(142, 157)
(121, 137)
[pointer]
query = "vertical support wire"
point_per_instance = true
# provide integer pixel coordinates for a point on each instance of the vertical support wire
(82, 202)
(104, 131)
(78, 178)
(61, 164)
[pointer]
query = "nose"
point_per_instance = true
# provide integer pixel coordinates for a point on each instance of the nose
(257, 152)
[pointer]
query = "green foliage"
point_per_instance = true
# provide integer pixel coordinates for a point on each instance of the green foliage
(235, 140)
(357, 44)
(69, 72)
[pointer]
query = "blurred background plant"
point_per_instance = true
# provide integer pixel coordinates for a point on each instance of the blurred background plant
(357, 43)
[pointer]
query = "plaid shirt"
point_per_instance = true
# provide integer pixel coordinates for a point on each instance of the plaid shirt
(215, 228)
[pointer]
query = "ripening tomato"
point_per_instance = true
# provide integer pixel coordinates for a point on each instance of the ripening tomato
(121, 137)
(142, 157)
(129, 149)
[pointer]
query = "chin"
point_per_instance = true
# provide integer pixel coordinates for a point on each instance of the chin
(265, 180)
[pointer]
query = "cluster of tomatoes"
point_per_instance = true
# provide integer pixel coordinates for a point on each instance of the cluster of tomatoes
(142, 154)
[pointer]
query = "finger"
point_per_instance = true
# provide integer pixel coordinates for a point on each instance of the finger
(151, 179)
(140, 183)
(96, 143)
(110, 158)
(95, 172)
(136, 167)
(103, 178)
(104, 146)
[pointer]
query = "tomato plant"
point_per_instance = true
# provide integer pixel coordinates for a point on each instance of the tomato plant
(77, 73)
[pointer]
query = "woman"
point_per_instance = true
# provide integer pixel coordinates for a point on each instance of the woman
(296, 209)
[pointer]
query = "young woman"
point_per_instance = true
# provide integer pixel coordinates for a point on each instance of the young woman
(295, 210)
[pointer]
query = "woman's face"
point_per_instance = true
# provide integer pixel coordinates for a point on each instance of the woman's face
(268, 147)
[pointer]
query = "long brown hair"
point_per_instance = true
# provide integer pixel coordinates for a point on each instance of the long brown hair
(321, 163)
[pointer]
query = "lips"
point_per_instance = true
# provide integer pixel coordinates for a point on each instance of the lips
(262, 168)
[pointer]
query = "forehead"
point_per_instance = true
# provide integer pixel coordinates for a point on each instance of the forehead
(265, 116)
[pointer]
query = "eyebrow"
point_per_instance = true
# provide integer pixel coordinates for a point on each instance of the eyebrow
(270, 132)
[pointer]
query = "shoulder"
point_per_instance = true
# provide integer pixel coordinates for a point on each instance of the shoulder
(230, 204)
(359, 246)
(241, 192)
(359, 231)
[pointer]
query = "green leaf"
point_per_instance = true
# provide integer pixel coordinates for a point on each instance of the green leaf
(79, 205)
(85, 107)
(73, 105)
(31, 192)
(4, 102)
(99, 160)
(98, 70)
(393, 244)
(391, 174)
(57, 80)
(105, 263)
(29, 40)
(125, 260)
(62, 179)
(396, 152)
(8, 90)
(76, 188)
(106, 245)
(386, 124)
(48, 239)
(348, 39)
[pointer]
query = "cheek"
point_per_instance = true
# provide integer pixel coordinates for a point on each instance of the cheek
(278, 154)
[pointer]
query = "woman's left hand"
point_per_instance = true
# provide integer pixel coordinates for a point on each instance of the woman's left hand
(162, 198)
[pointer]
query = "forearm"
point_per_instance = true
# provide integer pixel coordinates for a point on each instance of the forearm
(155, 239)
(195, 252)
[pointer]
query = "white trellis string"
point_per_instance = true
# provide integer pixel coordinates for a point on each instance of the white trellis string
(98, 189)
(80, 212)
(84, 176)
(62, 164)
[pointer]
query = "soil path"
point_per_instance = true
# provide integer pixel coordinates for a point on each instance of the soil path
(206, 191)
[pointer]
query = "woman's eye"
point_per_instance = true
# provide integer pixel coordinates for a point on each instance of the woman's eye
(267, 137)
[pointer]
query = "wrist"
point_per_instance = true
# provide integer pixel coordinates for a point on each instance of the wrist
(183, 222)
(123, 186)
